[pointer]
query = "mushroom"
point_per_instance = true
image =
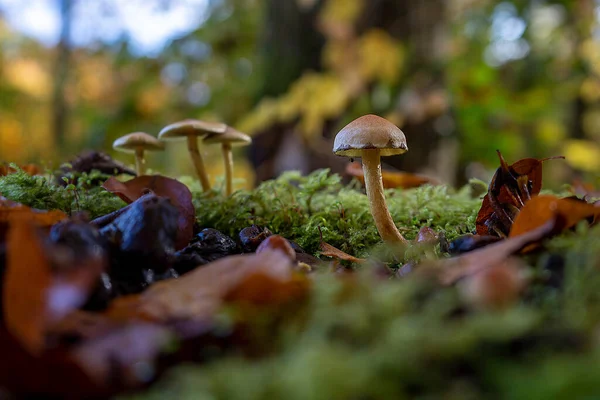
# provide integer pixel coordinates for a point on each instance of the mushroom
(137, 143)
(191, 129)
(371, 137)
(231, 137)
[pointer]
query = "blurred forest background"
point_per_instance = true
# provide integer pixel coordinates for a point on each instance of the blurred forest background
(462, 78)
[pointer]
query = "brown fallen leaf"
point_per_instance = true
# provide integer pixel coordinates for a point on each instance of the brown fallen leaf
(25, 287)
(496, 287)
(179, 195)
(330, 251)
(392, 179)
(541, 209)
(113, 361)
(36, 294)
(456, 268)
(54, 374)
(511, 187)
(200, 293)
(41, 218)
(260, 289)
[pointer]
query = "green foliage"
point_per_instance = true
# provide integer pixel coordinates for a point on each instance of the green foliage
(302, 208)
(40, 192)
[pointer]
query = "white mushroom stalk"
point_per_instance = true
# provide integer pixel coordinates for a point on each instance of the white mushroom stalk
(371, 162)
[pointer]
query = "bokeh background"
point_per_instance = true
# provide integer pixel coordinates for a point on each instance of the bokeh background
(462, 78)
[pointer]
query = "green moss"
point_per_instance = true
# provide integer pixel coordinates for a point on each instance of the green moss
(42, 193)
(303, 208)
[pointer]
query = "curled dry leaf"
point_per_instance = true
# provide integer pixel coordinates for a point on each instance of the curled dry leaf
(542, 209)
(330, 251)
(456, 268)
(511, 187)
(260, 289)
(200, 293)
(179, 195)
(34, 294)
(116, 360)
(41, 218)
(496, 287)
(392, 179)
(279, 243)
(26, 282)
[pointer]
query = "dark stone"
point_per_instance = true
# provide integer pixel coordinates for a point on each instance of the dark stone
(466, 243)
(252, 236)
(208, 245)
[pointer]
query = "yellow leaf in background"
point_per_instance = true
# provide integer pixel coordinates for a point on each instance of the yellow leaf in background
(336, 55)
(341, 11)
(11, 138)
(583, 155)
(29, 77)
(550, 132)
(381, 57)
(152, 99)
(261, 117)
(590, 89)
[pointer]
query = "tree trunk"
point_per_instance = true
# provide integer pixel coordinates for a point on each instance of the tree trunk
(291, 44)
(61, 72)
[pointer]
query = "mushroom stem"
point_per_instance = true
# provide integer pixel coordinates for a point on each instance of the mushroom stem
(228, 158)
(140, 162)
(192, 142)
(373, 183)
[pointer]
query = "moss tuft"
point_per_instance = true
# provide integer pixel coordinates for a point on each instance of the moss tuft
(303, 208)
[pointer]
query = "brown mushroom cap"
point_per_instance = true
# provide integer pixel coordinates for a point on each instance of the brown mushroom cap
(190, 127)
(137, 141)
(367, 133)
(231, 136)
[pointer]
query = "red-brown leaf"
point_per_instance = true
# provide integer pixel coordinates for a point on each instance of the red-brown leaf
(26, 283)
(541, 209)
(179, 195)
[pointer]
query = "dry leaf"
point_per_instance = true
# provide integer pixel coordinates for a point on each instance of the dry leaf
(41, 218)
(26, 282)
(260, 289)
(200, 293)
(330, 251)
(511, 187)
(540, 209)
(179, 195)
(456, 268)
(392, 179)
(119, 355)
(36, 295)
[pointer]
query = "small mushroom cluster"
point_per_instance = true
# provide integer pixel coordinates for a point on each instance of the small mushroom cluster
(190, 130)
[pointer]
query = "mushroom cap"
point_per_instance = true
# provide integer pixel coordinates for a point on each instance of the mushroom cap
(190, 127)
(137, 141)
(231, 136)
(369, 132)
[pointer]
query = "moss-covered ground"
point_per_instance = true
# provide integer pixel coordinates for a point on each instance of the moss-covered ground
(368, 338)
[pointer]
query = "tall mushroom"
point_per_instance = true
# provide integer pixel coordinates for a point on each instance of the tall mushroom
(230, 138)
(137, 143)
(191, 129)
(371, 137)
